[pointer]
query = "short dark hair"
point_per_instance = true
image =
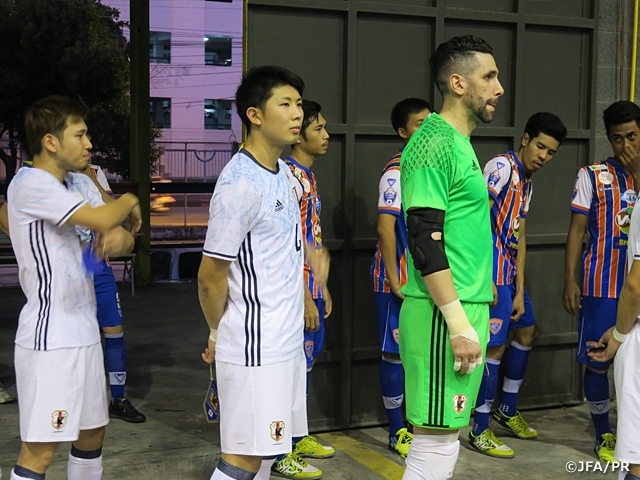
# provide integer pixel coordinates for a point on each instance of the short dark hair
(257, 87)
(453, 56)
(621, 112)
(50, 115)
(404, 109)
(547, 123)
(311, 111)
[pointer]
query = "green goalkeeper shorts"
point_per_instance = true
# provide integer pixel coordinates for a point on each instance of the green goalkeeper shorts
(436, 395)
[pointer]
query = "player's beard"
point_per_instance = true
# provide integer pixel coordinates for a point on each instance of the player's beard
(478, 105)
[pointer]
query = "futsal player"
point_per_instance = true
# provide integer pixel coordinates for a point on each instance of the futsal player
(312, 143)
(444, 319)
(110, 320)
(406, 118)
(251, 283)
(58, 355)
(604, 196)
(508, 179)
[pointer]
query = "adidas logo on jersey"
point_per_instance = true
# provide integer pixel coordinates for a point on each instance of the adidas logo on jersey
(279, 206)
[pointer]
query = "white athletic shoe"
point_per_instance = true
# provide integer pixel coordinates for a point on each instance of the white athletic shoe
(5, 397)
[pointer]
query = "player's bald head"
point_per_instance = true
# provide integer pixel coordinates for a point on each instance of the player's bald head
(456, 55)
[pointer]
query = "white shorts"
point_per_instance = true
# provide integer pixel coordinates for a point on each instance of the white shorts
(627, 378)
(60, 392)
(262, 408)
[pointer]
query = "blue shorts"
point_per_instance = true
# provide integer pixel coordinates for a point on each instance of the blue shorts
(596, 316)
(500, 323)
(107, 298)
(313, 341)
(388, 306)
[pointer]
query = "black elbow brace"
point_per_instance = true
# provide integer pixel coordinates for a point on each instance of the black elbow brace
(426, 240)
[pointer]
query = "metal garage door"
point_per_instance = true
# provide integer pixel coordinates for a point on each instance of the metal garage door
(358, 59)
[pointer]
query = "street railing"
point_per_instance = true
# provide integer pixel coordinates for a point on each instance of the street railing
(189, 161)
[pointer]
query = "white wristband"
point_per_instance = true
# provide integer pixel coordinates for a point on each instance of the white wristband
(213, 336)
(619, 336)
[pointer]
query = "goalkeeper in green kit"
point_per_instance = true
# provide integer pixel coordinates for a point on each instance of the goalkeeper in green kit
(444, 320)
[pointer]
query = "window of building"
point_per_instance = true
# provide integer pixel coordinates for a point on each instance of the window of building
(217, 114)
(160, 111)
(159, 47)
(217, 50)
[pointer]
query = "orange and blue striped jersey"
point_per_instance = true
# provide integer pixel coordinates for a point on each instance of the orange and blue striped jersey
(511, 191)
(604, 192)
(310, 207)
(390, 202)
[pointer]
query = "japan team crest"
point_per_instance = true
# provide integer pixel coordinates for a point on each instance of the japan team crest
(495, 325)
(459, 402)
(59, 419)
(277, 430)
(396, 335)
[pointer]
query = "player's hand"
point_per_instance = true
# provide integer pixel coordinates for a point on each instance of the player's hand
(311, 315)
(114, 243)
(135, 219)
(328, 302)
(608, 353)
(396, 288)
(518, 307)
(631, 162)
(209, 354)
(466, 352)
(495, 295)
(571, 297)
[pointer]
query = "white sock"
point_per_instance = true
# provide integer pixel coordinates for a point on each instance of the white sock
(218, 475)
(265, 469)
(225, 471)
(84, 468)
(432, 457)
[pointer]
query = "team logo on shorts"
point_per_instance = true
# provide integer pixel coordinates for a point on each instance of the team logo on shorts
(459, 402)
(59, 419)
(308, 348)
(495, 325)
(277, 430)
(396, 335)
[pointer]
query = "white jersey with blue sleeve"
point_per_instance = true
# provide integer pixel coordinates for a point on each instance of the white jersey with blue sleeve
(255, 224)
(61, 307)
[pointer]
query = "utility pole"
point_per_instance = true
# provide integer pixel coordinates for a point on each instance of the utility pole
(141, 132)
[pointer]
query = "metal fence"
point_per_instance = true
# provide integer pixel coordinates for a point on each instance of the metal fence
(188, 161)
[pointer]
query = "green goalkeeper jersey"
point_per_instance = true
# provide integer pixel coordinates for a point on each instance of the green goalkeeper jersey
(439, 169)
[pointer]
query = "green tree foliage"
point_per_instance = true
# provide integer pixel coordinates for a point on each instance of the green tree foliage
(67, 47)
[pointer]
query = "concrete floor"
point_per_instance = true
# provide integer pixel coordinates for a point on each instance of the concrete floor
(167, 381)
